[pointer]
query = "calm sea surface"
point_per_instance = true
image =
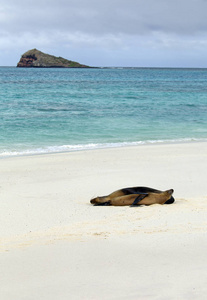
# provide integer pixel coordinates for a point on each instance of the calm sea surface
(53, 110)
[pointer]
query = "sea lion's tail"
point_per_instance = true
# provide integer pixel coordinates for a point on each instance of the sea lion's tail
(170, 192)
(171, 199)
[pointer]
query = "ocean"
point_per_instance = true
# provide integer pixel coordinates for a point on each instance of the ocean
(57, 110)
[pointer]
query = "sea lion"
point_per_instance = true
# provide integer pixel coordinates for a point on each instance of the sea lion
(135, 196)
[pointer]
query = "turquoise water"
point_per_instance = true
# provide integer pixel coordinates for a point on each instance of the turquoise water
(52, 110)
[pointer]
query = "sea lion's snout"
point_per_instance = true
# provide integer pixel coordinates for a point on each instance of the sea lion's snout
(93, 201)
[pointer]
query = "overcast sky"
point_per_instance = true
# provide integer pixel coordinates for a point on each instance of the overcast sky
(139, 33)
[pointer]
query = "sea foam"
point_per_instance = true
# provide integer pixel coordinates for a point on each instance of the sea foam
(92, 146)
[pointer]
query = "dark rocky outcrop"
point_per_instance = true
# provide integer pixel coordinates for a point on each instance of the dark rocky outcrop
(35, 58)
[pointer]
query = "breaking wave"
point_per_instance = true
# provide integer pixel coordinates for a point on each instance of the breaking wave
(90, 146)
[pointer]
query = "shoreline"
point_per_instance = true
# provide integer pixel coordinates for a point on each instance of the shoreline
(54, 244)
(96, 146)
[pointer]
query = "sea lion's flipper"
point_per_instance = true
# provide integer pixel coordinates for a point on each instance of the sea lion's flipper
(170, 201)
(139, 198)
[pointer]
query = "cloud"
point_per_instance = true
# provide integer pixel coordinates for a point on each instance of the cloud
(121, 25)
(105, 17)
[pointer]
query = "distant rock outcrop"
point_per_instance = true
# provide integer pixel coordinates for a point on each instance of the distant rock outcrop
(38, 59)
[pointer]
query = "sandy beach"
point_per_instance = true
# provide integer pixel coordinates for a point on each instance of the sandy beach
(56, 245)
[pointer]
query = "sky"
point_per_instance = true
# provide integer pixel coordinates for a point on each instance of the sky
(122, 33)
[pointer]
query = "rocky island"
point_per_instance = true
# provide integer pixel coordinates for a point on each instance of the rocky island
(37, 59)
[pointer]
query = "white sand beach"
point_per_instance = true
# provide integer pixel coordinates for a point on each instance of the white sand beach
(56, 245)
